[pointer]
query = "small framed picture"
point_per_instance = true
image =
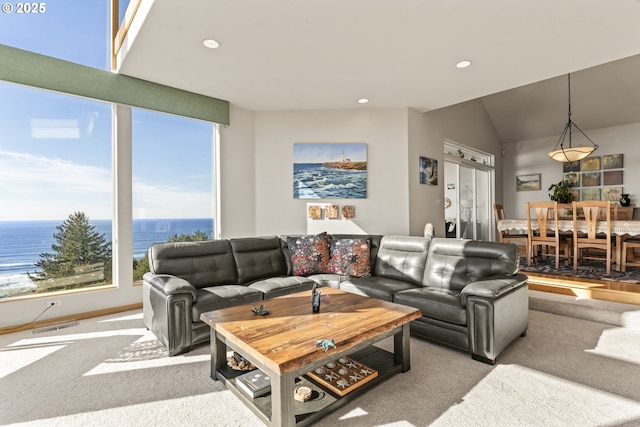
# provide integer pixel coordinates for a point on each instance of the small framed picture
(315, 212)
(612, 194)
(613, 161)
(348, 211)
(572, 178)
(590, 164)
(528, 182)
(428, 171)
(571, 166)
(590, 194)
(591, 179)
(331, 211)
(612, 178)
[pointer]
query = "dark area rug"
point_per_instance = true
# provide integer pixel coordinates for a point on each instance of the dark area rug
(593, 271)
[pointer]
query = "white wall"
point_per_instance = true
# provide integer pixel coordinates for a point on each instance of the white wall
(396, 202)
(238, 175)
(530, 157)
(386, 208)
(468, 124)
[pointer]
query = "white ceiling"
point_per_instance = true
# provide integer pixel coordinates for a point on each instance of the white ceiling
(305, 55)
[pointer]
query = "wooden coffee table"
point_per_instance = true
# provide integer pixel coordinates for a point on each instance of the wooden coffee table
(283, 345)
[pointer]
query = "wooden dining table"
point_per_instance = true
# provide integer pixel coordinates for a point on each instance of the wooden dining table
(619, 228)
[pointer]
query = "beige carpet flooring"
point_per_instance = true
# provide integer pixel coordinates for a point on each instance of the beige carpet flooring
(110, 371)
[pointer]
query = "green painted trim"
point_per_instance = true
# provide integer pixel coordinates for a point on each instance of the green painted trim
(33, 69)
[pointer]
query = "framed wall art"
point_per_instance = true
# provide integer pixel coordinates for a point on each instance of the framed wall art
(591, 179)
(331, 211)
(348, 211)
(613, 161)
(571, 166)
(329, 171)
(612, 194)
(590, 194)
(428, 171)
(612, 178)
(315, 212)
(572, 178)
(528, 182)
(590, 164)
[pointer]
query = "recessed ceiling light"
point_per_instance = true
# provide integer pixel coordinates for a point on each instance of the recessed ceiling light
(211, 43)
(363, 100)
(463, 64)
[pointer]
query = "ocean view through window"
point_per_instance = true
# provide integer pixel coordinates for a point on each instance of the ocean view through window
(81, 165)
(21, 243)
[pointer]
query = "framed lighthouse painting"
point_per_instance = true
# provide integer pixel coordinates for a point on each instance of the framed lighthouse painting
(329, 171)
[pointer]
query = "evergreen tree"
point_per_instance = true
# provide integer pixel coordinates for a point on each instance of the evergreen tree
(77, 245)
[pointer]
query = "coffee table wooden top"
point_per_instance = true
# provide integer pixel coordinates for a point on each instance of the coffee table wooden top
(285, 339)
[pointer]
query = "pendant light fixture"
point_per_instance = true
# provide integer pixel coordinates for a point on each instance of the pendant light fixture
(566, 152)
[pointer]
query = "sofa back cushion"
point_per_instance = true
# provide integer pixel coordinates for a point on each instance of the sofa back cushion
(402, 258)
(309, 254)
(258, 258)
(350, 257)
(202, 264)
(374, 244)
(454, 263)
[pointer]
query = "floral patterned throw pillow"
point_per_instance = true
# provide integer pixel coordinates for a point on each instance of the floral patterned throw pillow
(350, 257)
(309, 254)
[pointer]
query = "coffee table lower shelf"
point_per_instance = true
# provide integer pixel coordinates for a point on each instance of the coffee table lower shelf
(322, 400)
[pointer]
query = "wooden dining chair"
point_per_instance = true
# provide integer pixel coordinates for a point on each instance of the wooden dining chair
(547, 233)
(590, 238)
(520, 240)
(629, 244)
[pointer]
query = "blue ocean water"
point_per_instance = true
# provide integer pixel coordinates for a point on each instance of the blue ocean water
(314, 181)
(22, 242)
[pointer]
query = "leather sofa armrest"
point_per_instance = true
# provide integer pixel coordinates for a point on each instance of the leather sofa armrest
(170, 285)
(492, 287)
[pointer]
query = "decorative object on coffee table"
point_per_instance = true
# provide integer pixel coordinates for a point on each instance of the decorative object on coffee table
(239, 363)
(315, 299)
(255, 383)
(325, 344)
(260, 310)
(302, 393)
(343, 375)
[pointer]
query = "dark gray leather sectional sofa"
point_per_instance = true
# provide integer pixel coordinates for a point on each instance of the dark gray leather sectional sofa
(470, 293)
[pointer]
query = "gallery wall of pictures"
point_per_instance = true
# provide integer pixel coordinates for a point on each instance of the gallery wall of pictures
(596, 177)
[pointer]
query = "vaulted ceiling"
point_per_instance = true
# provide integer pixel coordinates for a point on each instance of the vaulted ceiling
(305, 55)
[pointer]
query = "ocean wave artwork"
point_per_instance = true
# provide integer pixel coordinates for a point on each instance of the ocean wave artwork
(330, 171)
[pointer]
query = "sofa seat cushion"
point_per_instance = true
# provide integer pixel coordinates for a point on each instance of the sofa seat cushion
(328, 279)
(277, 286)
(223, 296)
(435, 303)
(375, 286)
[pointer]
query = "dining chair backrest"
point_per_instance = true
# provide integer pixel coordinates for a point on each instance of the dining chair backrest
(615, 213)
(546, 215)
(593, 211)
(593, 235)
(498, 214)
(520, 240)
(547, 232)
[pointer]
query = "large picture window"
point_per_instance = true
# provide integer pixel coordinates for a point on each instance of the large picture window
(56, 188)
(76, 31)
(173, 197)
